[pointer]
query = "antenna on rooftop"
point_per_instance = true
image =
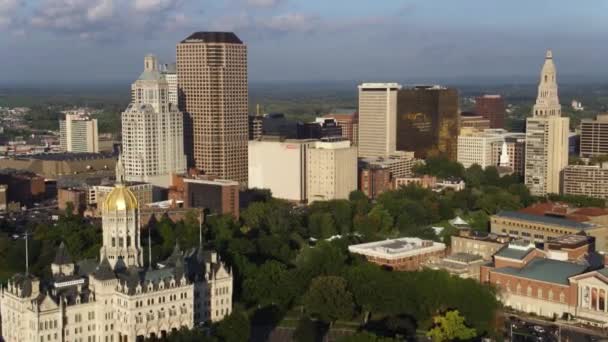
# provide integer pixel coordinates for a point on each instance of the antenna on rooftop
(27, 259)
(149, 248)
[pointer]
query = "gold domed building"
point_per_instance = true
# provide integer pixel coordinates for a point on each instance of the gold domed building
(120, 219)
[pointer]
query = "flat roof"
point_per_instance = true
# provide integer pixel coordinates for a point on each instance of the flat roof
(65, 156)
(397, 248)
(213, 37)
(546, 270)
(211, 182)
(555, 221)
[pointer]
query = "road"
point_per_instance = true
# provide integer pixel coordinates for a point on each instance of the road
(523, 329)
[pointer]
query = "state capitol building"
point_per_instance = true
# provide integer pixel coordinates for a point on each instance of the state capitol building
(116, 299)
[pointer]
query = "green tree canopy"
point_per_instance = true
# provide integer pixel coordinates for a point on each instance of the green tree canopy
(450, 327)
(329, 299)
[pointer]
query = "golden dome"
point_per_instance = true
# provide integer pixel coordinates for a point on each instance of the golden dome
(120, 198)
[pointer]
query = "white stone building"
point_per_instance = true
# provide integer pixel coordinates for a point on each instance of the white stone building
(152, 130)
(480, 146)
(546, 136)
(116, 299)
(378, 119)
(170, 73)
(331, 170)
(78, 132)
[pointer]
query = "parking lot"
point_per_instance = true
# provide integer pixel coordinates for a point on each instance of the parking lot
(520, 329)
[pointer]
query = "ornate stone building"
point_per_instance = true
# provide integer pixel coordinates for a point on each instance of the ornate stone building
(116, 299)
(546, 136)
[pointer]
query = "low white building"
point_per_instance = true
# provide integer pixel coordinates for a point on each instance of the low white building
(406, 254)
(480, 146)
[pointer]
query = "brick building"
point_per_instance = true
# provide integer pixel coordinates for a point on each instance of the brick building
(21, 186)
(218, 195)
(491, 107)
(77, 197)
(403, 254)
(373, 181)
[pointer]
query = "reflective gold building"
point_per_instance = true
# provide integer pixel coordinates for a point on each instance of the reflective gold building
(428, 121)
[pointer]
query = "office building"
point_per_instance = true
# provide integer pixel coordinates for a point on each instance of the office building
(76, 198)
(539, 223)
(213, 94)
(118, 297)
(594, 136)
(219, 196)
(399, 163)
(331, 170)
(377, 115)
(479, 243)
(586, 180)
(403, 254)
(348, 120)
(374, 180)
(491, 107)
(3, 197)
(428, 121)
(152, 130)
(280, 166)
(169, 72)
(255, 126)
(22, 186)
(321, 128)
(277, 125)
(546, 136)
(488, 147)
(514, 159)
(78, 132)
(473, 121)
(476, 147)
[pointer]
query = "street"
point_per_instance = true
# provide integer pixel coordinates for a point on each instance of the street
(520, 329)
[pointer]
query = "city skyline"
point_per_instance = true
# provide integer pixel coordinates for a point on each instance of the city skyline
(293, 40)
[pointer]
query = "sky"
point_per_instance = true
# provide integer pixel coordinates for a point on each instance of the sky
(59, 41)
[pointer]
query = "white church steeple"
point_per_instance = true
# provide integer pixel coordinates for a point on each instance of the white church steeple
(547, 101)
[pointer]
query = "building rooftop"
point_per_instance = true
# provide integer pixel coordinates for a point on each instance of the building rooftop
(66, 156)
(396, 248)
(551, 220)
(547, 270)
(465, 258)
(515, 250)
(213, 37)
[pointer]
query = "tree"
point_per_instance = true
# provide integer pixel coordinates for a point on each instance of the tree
(234, 328)
(450, 327)
(308, 330)
(272, 284)
(329, 299)
(365, 337)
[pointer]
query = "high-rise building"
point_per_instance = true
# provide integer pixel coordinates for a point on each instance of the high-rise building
(255, 126)
(219, 196)
(321, 128)
(170, 73)
(516, 152)
(213, 94)
(348, 120)
(546, 136)
(469, 120)
(586, 180)
(152, 130)
(78, 132)
(487, 148)
(491, 107)
(331, 170)
(118, 297)
(280, 166)
(428, 121)
(377, 115)
(374, 180)
(594, 136)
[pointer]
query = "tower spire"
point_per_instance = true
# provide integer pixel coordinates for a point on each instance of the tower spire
(120, 170)
(547, 101)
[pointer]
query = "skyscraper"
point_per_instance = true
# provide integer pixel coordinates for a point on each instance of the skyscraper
(78, 132)
(152, 130)
(377, 115)
(213, 94)
(170, 73)
(428, 121)
(491, 107)
(546, 136)
(594, 136)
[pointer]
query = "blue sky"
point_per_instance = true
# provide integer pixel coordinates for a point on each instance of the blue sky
(302, 40)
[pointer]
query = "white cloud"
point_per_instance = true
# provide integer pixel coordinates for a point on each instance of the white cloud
(8, 10)
(263, 3)
(290, 22)
(107, 19)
